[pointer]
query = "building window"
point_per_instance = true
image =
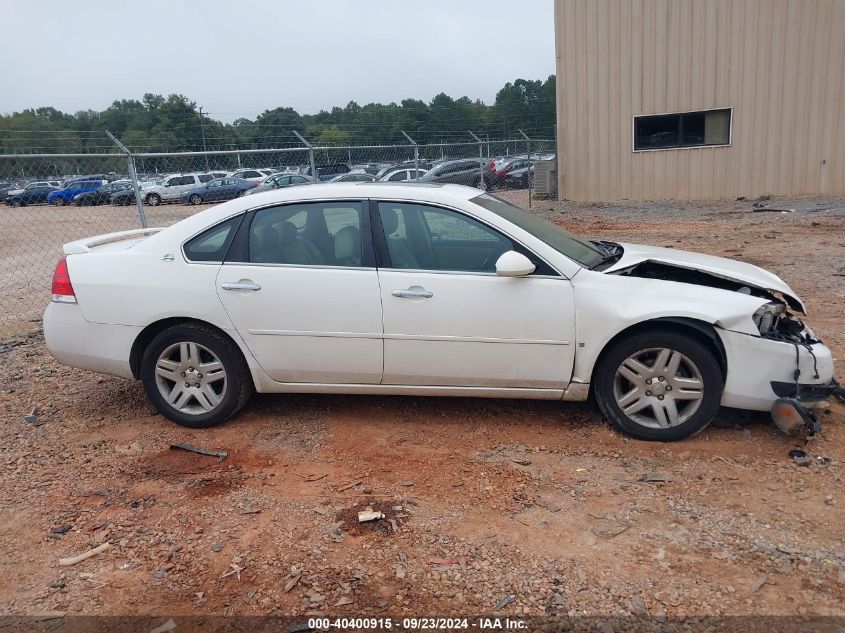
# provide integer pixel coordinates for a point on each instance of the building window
(684, 129)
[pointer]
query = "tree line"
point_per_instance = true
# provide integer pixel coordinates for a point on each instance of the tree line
(170, 124)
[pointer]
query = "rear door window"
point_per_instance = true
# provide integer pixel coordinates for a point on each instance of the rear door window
(212, 244)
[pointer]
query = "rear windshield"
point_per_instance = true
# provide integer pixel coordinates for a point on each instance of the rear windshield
(564, 242)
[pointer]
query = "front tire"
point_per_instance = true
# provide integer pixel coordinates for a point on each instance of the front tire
(660, 385)
(154, 199)
(195, 376)
(195, 199)
(58, 201)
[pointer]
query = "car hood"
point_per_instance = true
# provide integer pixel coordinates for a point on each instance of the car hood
(722, 267)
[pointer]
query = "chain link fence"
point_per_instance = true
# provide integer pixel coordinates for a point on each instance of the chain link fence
(52, 199)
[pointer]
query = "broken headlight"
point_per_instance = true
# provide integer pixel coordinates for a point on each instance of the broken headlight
(766, 317)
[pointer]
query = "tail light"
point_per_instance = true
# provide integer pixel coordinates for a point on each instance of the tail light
(62, 291)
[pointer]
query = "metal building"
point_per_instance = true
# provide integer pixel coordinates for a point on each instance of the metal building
(700, 98)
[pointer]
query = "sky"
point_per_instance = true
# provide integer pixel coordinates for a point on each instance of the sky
(239, 58)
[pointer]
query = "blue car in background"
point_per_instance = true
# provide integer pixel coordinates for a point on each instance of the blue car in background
(63, 196)
(217, 189)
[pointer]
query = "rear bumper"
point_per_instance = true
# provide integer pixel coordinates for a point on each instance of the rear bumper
(758, 368)
(79, 343)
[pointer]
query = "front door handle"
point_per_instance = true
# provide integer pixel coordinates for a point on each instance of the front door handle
(414, 292)
(243, 284)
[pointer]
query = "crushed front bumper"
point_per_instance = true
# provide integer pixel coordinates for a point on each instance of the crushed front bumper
(759, 368)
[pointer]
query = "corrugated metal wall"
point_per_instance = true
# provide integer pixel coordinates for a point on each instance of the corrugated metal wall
(780, 64)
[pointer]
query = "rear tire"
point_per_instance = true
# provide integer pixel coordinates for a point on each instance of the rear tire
(660, 385)
(154, 199)
(16, 203)
(195, 376)
(58, 201)
(195, 199)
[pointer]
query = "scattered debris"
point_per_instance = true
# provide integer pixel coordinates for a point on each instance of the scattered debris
(235, 571)
(407, 483)
(202, 451)
(522, 461)
(292, 582)
(657, 477)
(167, 626)
(30, 417)
(444, 561)
(310, 478)
(65, 562)
(797, 453)
(248, 509)
(345, 600)
(501, 604)
(368, 514)
(351, 484)
(218, 547)
(758, 584)
(62, 529)
(610, 531)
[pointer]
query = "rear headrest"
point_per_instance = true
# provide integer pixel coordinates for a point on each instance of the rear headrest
(347, 243)
(288, 232)
(266, 244)
(389, 220)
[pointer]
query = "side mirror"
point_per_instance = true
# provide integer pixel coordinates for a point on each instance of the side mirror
(513, 264)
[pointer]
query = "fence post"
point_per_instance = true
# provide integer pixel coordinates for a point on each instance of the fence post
(482, 183)
(310, 153)
(528, 147)
(416, 154)
(130, 159)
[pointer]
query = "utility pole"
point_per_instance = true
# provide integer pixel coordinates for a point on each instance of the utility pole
(202, 130)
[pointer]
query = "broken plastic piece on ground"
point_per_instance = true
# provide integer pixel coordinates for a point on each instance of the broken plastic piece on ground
(505, 602)
(368, 514)
(797, 453)
(794, 419)
(202, 451)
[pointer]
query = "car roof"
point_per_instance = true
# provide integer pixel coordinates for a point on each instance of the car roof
(435, 193)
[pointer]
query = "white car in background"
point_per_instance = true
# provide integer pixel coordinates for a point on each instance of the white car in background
(253, 175)
(429, 290)
(403, 175)
(170, 188)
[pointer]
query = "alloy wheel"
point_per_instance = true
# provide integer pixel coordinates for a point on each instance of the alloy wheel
(658, 388)
(190, 378)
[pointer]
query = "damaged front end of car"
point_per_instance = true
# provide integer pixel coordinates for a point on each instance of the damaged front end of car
(785, 369)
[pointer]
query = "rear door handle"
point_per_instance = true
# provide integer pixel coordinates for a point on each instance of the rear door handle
(243, 284)
(414, 292)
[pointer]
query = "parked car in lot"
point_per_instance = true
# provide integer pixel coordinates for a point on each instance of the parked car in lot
(63, 196)
(279, 181)
(403, 175)
(341, 289)
(518, 178)
(171, 188)
(103, 194)
(13, 191)
(217, 190)
(355, 176)
(31, 194)
(461, 172)
(253, 175)
(503, 168)
(327, 172)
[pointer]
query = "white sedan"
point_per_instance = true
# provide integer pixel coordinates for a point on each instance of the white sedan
(421, 289)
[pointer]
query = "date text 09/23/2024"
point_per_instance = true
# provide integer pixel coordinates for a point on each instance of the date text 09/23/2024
(416, 624)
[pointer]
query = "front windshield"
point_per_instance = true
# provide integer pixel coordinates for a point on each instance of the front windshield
(564, 242)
